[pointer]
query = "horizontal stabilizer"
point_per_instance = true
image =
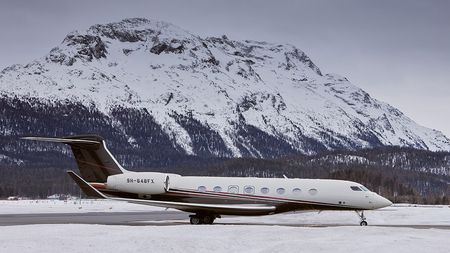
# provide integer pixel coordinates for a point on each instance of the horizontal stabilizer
(85, 186)
(62, 140)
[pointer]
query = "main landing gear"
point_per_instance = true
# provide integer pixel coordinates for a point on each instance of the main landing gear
(202, 219)
(363, 218)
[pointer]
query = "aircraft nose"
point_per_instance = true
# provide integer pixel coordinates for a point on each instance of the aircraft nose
(382, 202)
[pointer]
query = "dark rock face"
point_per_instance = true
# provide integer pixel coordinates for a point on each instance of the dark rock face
(302, 57)
(88, 48)
(113, 32)
(163, 47)
(123, 31)
(58, 56)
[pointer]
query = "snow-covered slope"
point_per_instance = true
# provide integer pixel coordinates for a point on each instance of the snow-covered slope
(213, 95)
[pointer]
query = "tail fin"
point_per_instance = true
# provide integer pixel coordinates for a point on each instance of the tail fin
(94, 160)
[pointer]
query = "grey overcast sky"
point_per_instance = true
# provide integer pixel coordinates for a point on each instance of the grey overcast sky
(396, 50)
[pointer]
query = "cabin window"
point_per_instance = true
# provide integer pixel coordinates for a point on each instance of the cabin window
(249, 189)
(364, 188)
(281, 190)
(233, 189)
(264, 190)
(217, 188)
(312, 191)
(201, 188)
(296, 190)
(355, 188)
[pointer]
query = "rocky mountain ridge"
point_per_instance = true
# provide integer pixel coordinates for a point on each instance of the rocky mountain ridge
(154, 89)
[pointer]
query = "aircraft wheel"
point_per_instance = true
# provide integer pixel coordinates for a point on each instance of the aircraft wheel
(195, 220)
(208, 219)
(363, 223)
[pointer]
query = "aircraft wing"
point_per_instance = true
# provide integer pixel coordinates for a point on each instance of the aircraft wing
(183, 206)
(208, 208)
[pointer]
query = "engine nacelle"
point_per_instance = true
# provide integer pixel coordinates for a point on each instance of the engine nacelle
(139, 182)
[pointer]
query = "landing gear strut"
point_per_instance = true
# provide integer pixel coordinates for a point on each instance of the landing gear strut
(363, 218)
(202, 219)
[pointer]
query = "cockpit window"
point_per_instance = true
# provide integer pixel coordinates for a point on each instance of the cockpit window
(355, 188)
(364, 188)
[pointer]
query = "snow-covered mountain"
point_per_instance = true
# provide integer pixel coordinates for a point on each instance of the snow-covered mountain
(151, 82)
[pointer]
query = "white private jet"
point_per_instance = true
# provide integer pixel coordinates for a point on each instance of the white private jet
(210, 197)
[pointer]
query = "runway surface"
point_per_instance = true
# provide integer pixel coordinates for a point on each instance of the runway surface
(158, 218)
(103, 218)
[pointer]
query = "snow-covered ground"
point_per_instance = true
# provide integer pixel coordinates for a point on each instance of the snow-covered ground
(258, 236)
(219, 238)
(394, 215)
(399, 214)
(70, 206)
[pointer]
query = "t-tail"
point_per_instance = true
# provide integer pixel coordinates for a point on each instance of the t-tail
(94, 160)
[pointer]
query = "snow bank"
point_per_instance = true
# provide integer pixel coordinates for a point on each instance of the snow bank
(220, 238)
(70, 206)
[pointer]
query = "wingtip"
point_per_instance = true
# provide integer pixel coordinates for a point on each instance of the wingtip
(65, 140)
(27, 138)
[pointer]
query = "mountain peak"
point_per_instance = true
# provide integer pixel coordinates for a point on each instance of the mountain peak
(137, 29)
(214, 95)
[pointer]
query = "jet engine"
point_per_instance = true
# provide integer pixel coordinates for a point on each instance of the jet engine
(140, 183)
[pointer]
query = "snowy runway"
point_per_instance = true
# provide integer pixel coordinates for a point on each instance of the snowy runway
(292, 232)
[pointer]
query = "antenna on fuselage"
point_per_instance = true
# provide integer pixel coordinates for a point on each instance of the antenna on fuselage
(285, 176)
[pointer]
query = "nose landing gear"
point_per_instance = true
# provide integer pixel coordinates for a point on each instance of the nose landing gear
(362, 217)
